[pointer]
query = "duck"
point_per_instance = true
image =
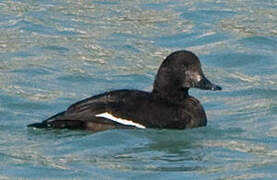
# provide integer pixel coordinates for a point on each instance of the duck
(167, 106)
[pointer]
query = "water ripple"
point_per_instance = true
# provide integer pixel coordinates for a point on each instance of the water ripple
(53, 53)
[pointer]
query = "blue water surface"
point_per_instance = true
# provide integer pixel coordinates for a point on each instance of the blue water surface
(54, 53)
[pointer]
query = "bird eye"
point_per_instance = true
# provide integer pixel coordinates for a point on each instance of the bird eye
(184, 67)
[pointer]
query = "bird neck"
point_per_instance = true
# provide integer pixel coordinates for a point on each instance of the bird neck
(170, 93)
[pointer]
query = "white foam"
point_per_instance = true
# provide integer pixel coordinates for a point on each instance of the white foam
(119, 120)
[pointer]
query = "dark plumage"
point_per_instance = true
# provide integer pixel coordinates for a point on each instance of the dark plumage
(167, 106)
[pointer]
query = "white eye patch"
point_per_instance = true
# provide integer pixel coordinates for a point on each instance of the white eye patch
(193, 75)
(198, 78)
(119, 120)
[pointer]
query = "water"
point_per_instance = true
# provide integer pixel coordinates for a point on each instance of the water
(54, 53)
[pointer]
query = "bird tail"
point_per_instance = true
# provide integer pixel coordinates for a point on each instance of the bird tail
(46, 123)
(38, 125)
(59, 121)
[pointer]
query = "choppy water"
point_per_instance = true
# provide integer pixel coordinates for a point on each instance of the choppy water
(53, 53)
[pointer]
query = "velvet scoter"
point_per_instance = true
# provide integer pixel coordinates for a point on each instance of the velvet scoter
(169, 105)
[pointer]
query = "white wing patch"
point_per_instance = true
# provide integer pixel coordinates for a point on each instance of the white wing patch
(119, 120)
